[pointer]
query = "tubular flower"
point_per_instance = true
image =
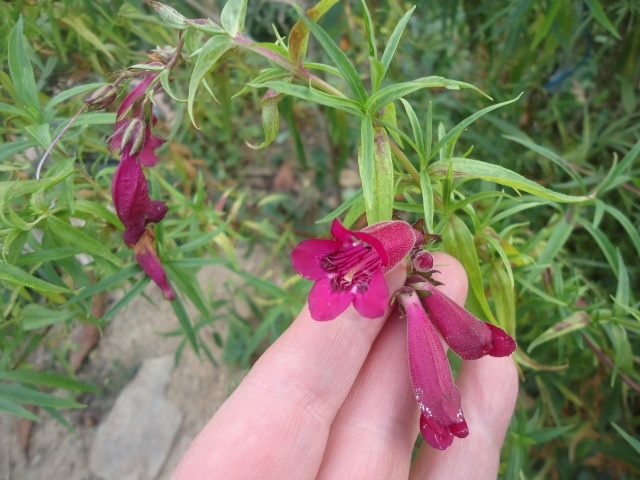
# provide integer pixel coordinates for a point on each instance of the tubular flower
(351, 268)
(129, 189)
(441, 416)
(147, 257)
(468, 336)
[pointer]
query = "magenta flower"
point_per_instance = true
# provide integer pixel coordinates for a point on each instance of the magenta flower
(468, 336)
(351, 268)
(441, 416)
(147, 257)
(130, 195)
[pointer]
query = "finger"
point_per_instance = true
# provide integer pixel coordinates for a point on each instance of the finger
(373, 434)
(489, 388)
(276, 423)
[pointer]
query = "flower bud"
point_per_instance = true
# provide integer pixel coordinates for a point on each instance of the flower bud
(133, 137)
(422, 261)
(165, 54)
(102, 97)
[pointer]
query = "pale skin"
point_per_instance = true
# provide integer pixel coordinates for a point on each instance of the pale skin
(333, 400)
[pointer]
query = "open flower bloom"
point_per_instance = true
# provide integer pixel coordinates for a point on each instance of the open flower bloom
(351, 268)
(468, 336)
(441, 416)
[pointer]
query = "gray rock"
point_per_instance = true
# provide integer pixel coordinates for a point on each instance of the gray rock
(135, 438)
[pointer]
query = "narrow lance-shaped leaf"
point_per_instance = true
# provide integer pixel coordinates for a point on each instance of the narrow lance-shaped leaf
(394, 39)
(348, 71)
(376, 172)
(299, 34)
(20, 68)
(170, 15)
(270, 118)
(233, 16)
(458, 241)
(469, 168)
(211, 55)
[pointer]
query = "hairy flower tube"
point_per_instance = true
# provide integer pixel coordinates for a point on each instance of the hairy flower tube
(441, 416)
(350, 268)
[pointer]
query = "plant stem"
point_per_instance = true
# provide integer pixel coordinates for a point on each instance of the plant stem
(406, 163)
(606, 360)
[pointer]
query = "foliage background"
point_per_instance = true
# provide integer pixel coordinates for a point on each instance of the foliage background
(575, 130)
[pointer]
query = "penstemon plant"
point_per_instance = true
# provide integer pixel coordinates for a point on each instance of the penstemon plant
(417, 192)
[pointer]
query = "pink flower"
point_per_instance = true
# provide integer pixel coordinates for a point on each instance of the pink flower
(468, 336)
(147, 257)
(351, 268)
(131, 198)
(441, 416)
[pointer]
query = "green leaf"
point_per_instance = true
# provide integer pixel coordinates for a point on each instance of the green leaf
(313, 95)
(129, 295)
(338, 57)
(20, 394)
(394, 39)
(20, 69)
(36, 316)
(107, 283)
(299, 34)
(171, 16)
(469, 168)
(503, 294)
(233, 16)
(606, 247)
(15, 409)
(77, 24)
(72, 92)
(626, 224)
(46, 379)
(574, 322)
(376, 172)
(455, 131)
(635, 444)
(458, 241)
(270, 118)
(211, 55)
(427, 200)
(11, 148)
(368, 24)
(40, 133)
(12, 274)
(80, 239)
(598, 13)
(398, 90)
(185, 323)
(415, 127)
(342, 208)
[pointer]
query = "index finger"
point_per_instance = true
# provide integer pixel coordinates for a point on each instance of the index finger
(276, 423)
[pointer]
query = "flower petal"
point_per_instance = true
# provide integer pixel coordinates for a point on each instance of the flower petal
(325, 303)
(147, 257)
(374, 300)
(397, 239)
(437, 396)
(468, 336)
(306, 257)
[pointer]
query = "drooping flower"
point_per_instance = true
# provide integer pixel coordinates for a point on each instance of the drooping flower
(441, 416)
(351, 268)
(468, 336)
(130, 195)
(147, 257)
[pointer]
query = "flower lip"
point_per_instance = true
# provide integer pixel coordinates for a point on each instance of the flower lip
(350, 268)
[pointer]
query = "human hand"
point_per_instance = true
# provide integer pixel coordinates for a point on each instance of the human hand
(334, 400)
